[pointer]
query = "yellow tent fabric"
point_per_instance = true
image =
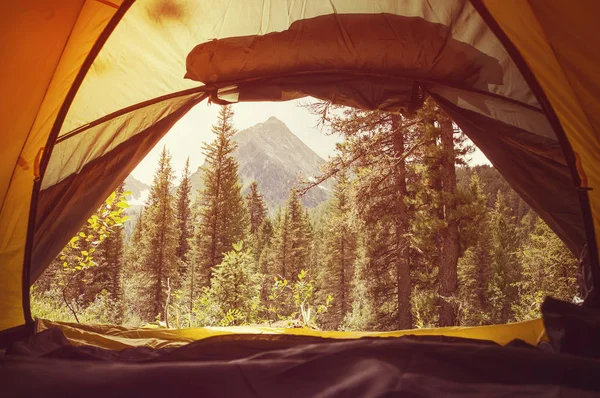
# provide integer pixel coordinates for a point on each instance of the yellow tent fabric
(43, 46)
(119, 338)
(558, 40)
(145, 57)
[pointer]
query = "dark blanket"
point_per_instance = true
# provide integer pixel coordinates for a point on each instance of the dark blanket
(295, 366)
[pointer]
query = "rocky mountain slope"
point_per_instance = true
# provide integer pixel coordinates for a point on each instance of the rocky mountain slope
(270, 154)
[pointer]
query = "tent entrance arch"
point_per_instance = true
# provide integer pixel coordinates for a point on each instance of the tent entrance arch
(113, 113)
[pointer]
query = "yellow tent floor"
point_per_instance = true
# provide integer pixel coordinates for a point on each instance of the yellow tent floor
(119, 338)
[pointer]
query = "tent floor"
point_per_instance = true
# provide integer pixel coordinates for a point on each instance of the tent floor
(115, 337)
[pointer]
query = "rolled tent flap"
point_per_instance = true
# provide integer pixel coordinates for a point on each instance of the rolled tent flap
(369, 61)
(379, 44)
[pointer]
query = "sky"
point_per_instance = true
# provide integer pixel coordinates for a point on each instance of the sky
(187, 136)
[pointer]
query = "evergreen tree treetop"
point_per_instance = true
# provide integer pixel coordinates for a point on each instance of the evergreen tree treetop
(162, 182)
(157, 247)
(222, 212)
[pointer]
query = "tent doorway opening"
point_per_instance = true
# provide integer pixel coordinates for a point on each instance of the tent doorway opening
(410, 235)
(307, 214)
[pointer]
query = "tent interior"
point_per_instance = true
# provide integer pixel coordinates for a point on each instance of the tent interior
(91, 86)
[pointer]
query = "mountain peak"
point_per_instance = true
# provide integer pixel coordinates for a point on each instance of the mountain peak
(272, 155)
(273, 119)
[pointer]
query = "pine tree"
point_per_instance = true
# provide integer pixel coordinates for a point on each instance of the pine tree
(401, 224)
(257, 209)
(133, 277)
(474, 276)
(223, 218)
(263, 244)
(474, 265)
(439, 216)
(184, 213)
(235, 287)
(257, 212)
(133, 249)
(426, 229)
(190, 287)
(263, 258)
(362, 315)
(451, 238)
(378, 147)
(291, 241)
(158, 260)
(110, 258)
(340, 253)
(549, 269)
(319, 218)
(502, 292)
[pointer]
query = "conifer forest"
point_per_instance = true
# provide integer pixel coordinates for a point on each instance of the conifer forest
(410, 237)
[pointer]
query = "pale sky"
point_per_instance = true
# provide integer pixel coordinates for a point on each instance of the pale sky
(187, 135)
